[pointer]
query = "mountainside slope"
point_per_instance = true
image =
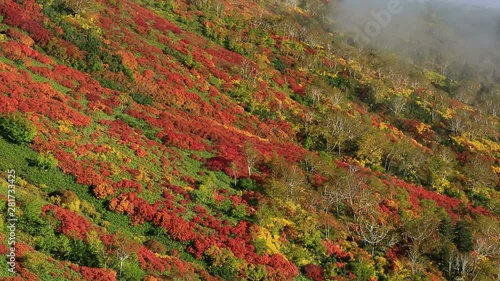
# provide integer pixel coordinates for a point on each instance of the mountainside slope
(234, 140)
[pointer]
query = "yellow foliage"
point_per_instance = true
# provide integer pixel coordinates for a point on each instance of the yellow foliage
(496, 169)
(380, 261)
(161, 256)
(141, 239)
(483, 192)
(440, 185)
(402, 275)
(114, 169)
(281, 222)
(118, 154)
(448, 113)
(222, 257)
(382, 126)
(142, 176)
(217, 254)
(95, 242)
(64, 129)
(434, 77)
(262, 61)
(56, 200)
(71, 201)
(422, 127)
(370, 152)
(406, 92)
(480, 145)
(272, 243)
(73, 206)
(93, 236)
(84, 22)
(355, 65)
(342, 61)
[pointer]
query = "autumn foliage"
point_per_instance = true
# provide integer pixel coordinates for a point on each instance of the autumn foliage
(243, 141)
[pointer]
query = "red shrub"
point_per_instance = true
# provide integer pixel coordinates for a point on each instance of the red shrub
(282, 268)
(71, 224)
(199, 247)
(314, 272)
(26, 18)
(122, 204)
(148, 260)
(97, 274)
(128, 184)
(335, 250)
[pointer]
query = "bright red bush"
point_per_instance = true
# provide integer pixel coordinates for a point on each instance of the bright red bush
(314, 272)
(72, 224)
(97, 274)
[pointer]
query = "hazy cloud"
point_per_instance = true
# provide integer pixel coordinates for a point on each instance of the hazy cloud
(449, 34)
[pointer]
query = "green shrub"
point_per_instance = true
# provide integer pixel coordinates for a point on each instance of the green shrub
(239, 211)
(17, 129)
(363, 270)
(279, 65)
(45, 161)
(110, 84)
(263, 114)
(246, 184)
(339, 82)
(463, 237)
(131, 270)
(142, 99)
(147, 130)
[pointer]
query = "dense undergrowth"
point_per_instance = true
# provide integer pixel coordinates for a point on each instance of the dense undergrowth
(221, 140)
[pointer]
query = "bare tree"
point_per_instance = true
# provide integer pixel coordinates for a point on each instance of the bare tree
(251, 156)
(333, 195)
(486, 242)
(336, 97)
(316, 94)
(374, 232)
(339, 129)
(493, 105)
(398, 105)
(294, 181)
(79, 6)
(288, 180)
(420, 233)
(249, 71)
(462, 265)
(123, 248)
(292, 3)
(416, 257)
(479, 173)
(457, 124)
(390, 155)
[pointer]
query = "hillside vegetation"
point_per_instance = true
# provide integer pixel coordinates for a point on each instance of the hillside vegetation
(237, 140)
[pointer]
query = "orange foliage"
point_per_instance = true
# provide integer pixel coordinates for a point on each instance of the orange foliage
(128, 59)
(103, 190)
(121, 204)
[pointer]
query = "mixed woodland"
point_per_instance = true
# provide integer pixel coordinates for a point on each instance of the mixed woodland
(239, 140)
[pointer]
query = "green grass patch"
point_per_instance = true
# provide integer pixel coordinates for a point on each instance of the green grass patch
(36, 77)
(19, 157)
(59, 87)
